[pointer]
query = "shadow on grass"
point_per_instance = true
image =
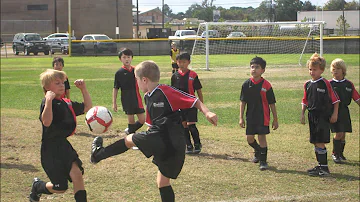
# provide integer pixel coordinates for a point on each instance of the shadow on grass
(337, 176)
(351, 163)
(93, 136)
(220, 156)
(23, 167)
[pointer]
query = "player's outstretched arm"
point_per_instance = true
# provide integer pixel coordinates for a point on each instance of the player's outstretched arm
(210, 116)
(80, 83)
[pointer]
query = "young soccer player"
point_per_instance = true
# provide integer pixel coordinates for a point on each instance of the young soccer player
(346, 91)
(258, 97)
(58, 64)
(130, 96)
(188, 81)
(58, 117)
(322, 104)
(165, 139)
(173, 53)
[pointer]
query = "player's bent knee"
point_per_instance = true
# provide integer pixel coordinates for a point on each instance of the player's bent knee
(128, 141)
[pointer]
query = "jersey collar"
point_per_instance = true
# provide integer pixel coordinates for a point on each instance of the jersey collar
(257, 82)
(149, 94)
(316, 80)
(338, 80)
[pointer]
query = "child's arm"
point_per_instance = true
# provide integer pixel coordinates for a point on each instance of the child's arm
(114, 96)
(211, 117)
(241, 117)
(275, 123)
(200, 95)
(302, 118)
(47, 114)
(334, 115)
(80, 83)
(67, 93)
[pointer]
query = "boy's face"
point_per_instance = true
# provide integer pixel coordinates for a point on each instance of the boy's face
(256, 71)
(58, 66)
(337, 73)
(126, 60)
(173, 46)
(315, 71)
(183, 64)
(57, 87)
(142, 83)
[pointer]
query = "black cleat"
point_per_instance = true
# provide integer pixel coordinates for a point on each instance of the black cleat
(263, 165)
(96, 145)
(189, 149)
(342, 157)
(256, 157)
(336, 158)
(197, 148)
(34, 196)
(319, 171)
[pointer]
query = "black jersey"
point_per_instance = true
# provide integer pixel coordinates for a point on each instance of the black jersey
(187, 82)
(257, 95)
(67, 84)
(165, 100)
(345, 90)
(319, 96)
(130, 95)
(64, 118)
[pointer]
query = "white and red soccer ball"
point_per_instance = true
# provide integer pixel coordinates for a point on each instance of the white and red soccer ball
(99, 119)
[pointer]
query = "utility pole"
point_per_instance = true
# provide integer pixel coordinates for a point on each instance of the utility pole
(343, 14)
(137, 19)
(163, 15)
(55, 18)
(117, 20)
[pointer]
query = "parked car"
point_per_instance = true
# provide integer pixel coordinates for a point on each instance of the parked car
(59, 35)
(236, 35)
(62, 45)
(98, 43)
(212, 34)
(29, 43)
(181, 38)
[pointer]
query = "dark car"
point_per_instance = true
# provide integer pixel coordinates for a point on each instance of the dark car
(62, 45)
(29, 43)
(98, 43)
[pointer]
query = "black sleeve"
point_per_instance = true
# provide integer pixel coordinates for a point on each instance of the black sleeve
(270, 96)
(197, 84)
(242, 94)
(67, 84)
(78, 107)
(117, 83)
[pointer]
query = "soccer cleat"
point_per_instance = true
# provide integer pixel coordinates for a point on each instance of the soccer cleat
(96, 145)
(319, 171)
(189, 149)
(34, 196)
(197, 148)
(263, 165)
(126, 131)
(256, 157)
(336, 158)
(342, 157)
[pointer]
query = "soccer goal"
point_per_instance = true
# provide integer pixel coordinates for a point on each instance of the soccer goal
(227, 44)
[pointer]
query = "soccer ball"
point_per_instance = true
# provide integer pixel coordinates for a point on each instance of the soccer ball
(99, 119)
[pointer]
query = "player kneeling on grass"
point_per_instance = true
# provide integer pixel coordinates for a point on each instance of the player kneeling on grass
(322, 104)
(165, 138)
(258, 95)
(58, 117)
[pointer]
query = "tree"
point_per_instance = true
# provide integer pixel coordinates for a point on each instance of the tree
(307, 6)
(286, 10)
(167, 11)
(342, 24)
(354, 5)
(334, 5)
(261, 12)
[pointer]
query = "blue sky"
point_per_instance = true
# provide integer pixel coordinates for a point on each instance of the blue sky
(183, 5)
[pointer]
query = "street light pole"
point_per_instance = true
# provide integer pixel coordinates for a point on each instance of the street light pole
(69, 26)
(55, 17)
(137, 19)
(117, 20)
(162, 14)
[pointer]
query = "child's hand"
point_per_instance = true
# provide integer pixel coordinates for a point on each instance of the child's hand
(212, 118)
(242, 123)
(302, 119)
(80, 83)
(275, 125)
(333, 118)
(114, 107)
(50, 95)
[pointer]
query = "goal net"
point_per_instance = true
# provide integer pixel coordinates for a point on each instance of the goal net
(230, 44)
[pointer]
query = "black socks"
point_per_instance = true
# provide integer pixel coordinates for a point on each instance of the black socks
(115, 148)
(195, 134)
(80, 196)
(134, 127)
(167, 194)
(321, 156)
(40, 187)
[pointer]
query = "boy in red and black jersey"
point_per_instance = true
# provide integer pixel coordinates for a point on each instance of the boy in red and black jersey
(258, 95)
(322, 104)
(58, 158)
(346, 91)
(188, 81)
(165, 139)
(58, 64)
(130, 96)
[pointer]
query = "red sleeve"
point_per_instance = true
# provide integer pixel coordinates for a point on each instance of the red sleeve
(334, 97)
(355, 94)
(304, 100)
(178, 99)
(148, 121)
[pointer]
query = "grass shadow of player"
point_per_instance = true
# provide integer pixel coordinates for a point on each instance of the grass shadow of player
(22, 167)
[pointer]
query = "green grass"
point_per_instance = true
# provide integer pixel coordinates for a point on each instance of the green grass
(222, 172)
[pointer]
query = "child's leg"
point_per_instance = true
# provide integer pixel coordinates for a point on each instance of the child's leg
(252, 142)
(78, 182)
(263, 148)
(166, 192)
(337, 143)
(194, 132)
(342, 147)
(321, 154)
(187, 134)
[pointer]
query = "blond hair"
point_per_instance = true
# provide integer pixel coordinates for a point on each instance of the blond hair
(148, 69)
(316, 60)
(173, 43)
(338, 64)
(51, 75)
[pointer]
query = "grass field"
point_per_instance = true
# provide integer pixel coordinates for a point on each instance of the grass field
(221, 172)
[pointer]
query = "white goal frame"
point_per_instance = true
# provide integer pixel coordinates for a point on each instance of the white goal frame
(207, 24)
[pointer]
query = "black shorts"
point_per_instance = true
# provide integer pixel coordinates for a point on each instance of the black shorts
(134, 111)
(189, 115)
(168, 149)
(175, 66)
(57, 158)
(343, 123)
(319, 127)
(253, 129)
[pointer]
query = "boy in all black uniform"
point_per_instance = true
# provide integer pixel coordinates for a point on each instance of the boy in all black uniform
(165, 139)
(130, 96)
(258, 95)
(58, 64)
(58, 158)
(322, 104)
(346, 91)
(173, 53)
(188, 81)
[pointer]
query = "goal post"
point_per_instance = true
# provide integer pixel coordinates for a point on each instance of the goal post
(224, 44)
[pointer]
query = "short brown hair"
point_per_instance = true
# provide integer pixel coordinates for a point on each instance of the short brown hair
(316, 60)
(338, 64)
(148, 69)
(51, 75)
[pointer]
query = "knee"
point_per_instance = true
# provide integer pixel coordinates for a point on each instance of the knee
(128, 141)
(250, 138)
